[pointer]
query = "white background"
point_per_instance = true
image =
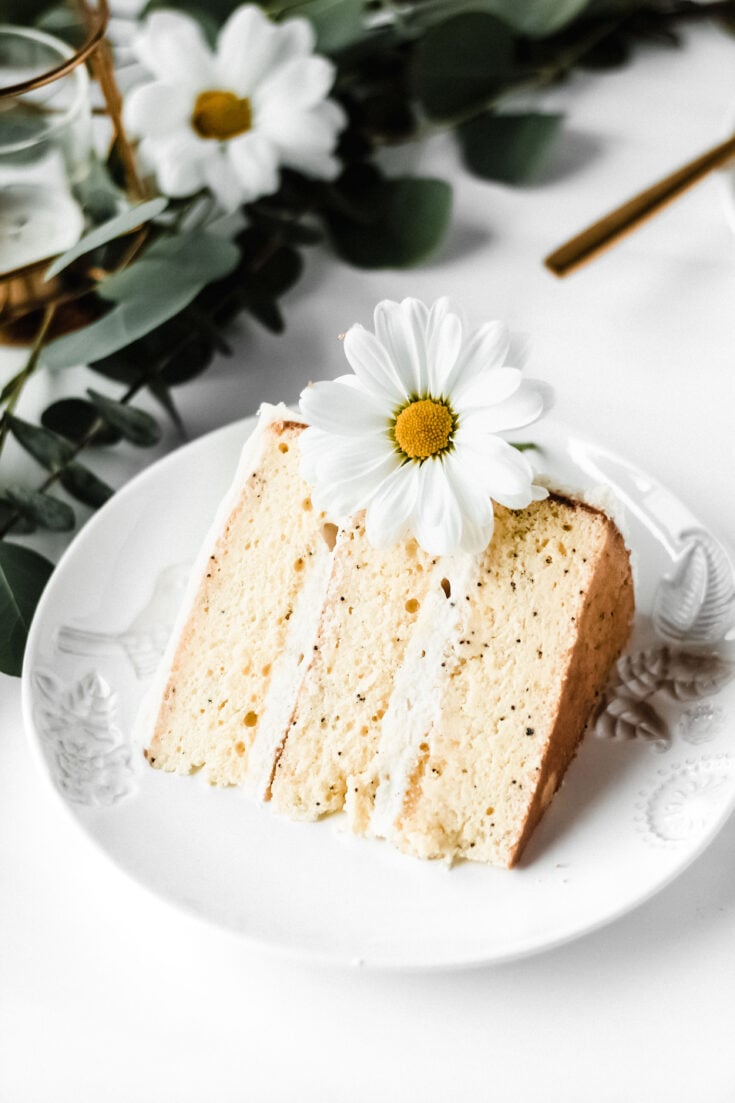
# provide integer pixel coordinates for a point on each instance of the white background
(107, 993)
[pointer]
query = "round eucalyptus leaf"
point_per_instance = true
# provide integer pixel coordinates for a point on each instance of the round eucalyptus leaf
(536, 18)
(85, 486)
(508, 148)
(136, 425)
(337, 23)
(44, 510)
(14, 522)
(73, 418)
(188, 361)
(23, 576)
(121, 224)
(181, 260)
(267, 313)
(128, 321)
(414, 216)
(48, 448)
(461, 63)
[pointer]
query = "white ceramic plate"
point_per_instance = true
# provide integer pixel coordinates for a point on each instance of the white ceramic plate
(646, 793)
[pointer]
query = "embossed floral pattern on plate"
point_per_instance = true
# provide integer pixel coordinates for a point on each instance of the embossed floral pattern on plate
(89, 756)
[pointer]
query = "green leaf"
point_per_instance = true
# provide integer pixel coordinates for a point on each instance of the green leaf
(83, 485)
(62, 22)
(44, 510)
(51, 450)
(122, 366)
(267, 313)
(25, 12)
(73, 418)
(165, 280)
(461, 63)
(412, 217)
(508, 148)
(23, 576)
(135, 425)
(127, 322)
(115, 227)
(182, 261)
(18, 525)
(536, 18)
(358, 194)
(279, 273)
(187, 362)
(337, 23)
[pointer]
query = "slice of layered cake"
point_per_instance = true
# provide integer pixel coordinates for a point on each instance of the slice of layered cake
(482, 726)
(438, 700)
(446, 696)
(417, 656)
(229, 681)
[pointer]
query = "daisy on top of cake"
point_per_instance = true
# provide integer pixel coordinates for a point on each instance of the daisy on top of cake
(412, 437)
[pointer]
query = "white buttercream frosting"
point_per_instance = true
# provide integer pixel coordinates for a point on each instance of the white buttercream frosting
(287, 673)
(417, 690)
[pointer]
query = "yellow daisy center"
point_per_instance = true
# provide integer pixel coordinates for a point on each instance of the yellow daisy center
(221, 115)
(424, 428)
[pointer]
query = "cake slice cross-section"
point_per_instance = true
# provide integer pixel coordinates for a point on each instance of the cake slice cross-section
(230, 679)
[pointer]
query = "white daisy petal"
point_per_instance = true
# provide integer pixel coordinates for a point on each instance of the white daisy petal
(172, 47)
(300, 82)
(349, 496)
(304, 139)
(475, 538)
(401, 329)
(291, 123)
(445, 498)
(486, 348)
(350, 457)
(443, 343)
(438, 520)
(250, 46)
(223, 180)
(523, 407)
(342, 410)
(503, 469)
(489, 388)
(255, 163)
(474, 501)
(390, 512)
(372, 365)
(155, 109)
(178, 161)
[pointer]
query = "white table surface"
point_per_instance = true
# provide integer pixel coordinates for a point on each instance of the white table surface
(107, 993)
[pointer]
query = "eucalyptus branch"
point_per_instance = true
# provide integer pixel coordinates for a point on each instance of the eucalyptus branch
(19, 381)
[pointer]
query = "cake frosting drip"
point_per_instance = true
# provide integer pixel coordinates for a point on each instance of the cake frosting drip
(288, 674)
(415, 704)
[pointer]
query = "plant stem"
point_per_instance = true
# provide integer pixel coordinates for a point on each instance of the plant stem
(25, 374)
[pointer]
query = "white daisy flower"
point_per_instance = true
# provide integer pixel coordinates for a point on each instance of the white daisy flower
(227, 120)
(412, 436)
